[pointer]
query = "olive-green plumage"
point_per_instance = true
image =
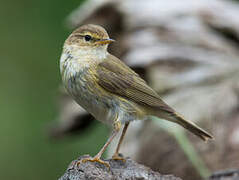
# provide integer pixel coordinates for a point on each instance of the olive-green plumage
(117, 78)
(107, 88)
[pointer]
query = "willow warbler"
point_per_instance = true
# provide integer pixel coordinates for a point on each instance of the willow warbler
(108, 89)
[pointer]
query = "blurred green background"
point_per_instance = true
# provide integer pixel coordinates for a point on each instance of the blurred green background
(32, 35)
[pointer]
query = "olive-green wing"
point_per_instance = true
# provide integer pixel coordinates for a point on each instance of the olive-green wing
(117, 78)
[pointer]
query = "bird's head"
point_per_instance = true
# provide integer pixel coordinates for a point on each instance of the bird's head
(89, 36)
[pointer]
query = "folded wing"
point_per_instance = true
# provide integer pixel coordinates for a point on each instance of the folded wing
(117, 78)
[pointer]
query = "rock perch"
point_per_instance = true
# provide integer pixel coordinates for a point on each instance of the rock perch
(118, 170)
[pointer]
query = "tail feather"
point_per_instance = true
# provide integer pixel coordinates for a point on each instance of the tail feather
(192, 127)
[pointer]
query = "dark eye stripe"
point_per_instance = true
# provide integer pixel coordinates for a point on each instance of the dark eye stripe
(79, 35)
(84, 36)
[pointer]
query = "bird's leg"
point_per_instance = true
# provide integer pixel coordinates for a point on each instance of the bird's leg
(97, 157)
(116, 154)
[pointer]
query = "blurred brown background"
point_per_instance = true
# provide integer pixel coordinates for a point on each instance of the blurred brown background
(187, 51)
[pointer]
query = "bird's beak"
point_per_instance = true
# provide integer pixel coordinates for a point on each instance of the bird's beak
(105, 41)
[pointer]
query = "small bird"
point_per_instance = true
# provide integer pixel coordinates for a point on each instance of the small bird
(108, 89)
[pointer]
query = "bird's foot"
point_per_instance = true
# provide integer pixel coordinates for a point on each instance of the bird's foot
(94, 159)
(118, 157)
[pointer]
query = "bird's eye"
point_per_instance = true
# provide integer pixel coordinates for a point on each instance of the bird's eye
(88, 37)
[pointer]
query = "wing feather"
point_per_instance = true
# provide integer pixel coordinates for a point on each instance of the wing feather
(116, 77)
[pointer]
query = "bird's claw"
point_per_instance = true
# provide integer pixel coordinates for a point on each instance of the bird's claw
(95, 159)
(117, 157)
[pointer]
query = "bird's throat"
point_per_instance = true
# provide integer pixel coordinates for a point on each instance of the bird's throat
(97, 53)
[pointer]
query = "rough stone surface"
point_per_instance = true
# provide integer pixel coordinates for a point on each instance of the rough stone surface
(118, 170)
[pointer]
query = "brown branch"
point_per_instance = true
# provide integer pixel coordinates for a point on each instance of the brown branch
(229, 174)
(118, 170)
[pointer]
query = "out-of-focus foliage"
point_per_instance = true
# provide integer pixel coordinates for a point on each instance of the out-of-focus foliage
(32, 35)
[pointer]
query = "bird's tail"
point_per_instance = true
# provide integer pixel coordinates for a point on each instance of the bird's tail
(192, 127)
